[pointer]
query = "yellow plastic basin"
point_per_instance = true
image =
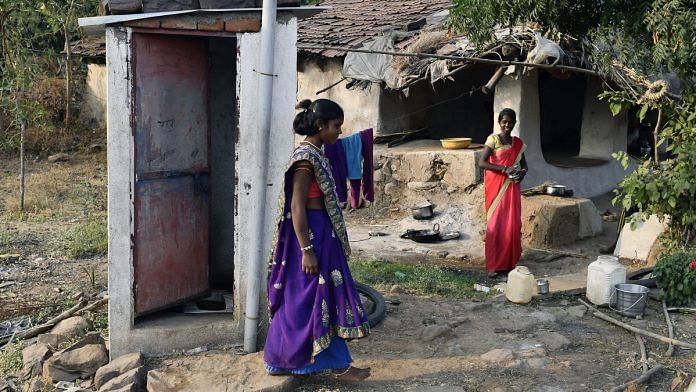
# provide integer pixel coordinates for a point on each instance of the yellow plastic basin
(455, 143)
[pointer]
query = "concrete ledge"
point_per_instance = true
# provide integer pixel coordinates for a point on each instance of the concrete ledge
(176, 331)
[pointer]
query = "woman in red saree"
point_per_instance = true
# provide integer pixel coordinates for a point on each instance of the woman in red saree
(504, 168)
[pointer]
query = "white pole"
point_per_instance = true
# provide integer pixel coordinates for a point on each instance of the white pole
(259, 174)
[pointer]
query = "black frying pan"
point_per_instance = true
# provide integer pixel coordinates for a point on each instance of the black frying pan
(423, 236)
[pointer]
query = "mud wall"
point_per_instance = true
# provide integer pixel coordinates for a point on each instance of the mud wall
(522, 95)
(361, 107)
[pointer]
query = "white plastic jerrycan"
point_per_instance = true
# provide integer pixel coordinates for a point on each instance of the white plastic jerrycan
(520, 285)
(602, 275)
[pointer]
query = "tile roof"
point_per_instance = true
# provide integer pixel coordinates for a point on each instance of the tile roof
(90, 47)
(352, 22)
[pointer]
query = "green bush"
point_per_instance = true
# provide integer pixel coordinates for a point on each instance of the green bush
(86, 240)
(676, 276)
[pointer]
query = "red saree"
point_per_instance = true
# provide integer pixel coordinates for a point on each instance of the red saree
(503, 209)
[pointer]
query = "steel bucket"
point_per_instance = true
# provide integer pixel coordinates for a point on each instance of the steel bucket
(630, 299)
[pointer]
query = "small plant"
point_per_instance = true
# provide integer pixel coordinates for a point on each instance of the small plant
(91, 275)
(10, 359)
(100, 322)
(416, 279)
(86, 240)
(676, 276)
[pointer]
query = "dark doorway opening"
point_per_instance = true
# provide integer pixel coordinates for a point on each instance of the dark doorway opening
(561, 102)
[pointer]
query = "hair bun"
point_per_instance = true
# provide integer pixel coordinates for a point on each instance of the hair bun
(304, 104)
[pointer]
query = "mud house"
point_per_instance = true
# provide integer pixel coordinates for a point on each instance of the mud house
(92, 52)
(182, 119)
(570, 133)
(456, 90)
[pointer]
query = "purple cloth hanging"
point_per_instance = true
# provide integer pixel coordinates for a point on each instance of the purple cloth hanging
(339, 168)
(368, 186)
(355, 193)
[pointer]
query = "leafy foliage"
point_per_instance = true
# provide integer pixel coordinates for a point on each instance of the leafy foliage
(32, 35)
(668, 188)
(672, 23)
(676, 276)
(647, 34)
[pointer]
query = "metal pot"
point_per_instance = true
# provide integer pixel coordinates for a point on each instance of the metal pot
(423, 211)
(543, 286)
(556, 190)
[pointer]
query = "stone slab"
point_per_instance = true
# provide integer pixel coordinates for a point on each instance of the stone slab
(567, 284)
(217, 371)
(637, 244)
(575, 283)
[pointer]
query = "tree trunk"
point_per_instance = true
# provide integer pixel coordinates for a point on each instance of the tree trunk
(68, 76)
(22, 137)
(656, 134)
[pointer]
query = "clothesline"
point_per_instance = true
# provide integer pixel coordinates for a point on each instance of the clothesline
(458, 58)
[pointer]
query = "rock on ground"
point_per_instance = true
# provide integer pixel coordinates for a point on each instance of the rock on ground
(396, 289)
(498, 355)
(457, 321)
(537, 363)
(72, 364)
(33, 358)
(432, 332)
(129, 388)
(134, 376)
(52, 340)
(60, 157)
(553, 340)
(36, 384)
(118, 366)
(536, 352)
(577, 311)
(71, 327)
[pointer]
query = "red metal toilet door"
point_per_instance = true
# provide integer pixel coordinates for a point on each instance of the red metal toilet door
(171, 166)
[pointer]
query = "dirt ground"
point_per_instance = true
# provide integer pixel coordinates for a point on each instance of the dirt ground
(555, 344)
(424, 344)
(59, 198)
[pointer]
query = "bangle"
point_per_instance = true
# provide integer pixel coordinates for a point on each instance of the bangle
(307, 248)
(504, 169)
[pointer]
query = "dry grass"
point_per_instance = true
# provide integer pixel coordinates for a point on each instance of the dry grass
(64, 210)
(425, 43)
(56, 192)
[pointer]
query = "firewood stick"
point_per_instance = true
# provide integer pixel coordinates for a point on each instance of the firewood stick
(30, 333)
(94, 305)
(670, 329)
(643, 354)
(688, 310)
(631, 328)
(559, 252)
(640, 380)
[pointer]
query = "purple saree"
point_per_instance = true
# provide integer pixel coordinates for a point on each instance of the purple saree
(307, 311)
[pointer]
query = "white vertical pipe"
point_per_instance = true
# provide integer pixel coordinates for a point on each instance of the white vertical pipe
(259, 174)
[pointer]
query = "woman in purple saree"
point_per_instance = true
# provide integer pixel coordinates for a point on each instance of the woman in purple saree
(312, 300)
